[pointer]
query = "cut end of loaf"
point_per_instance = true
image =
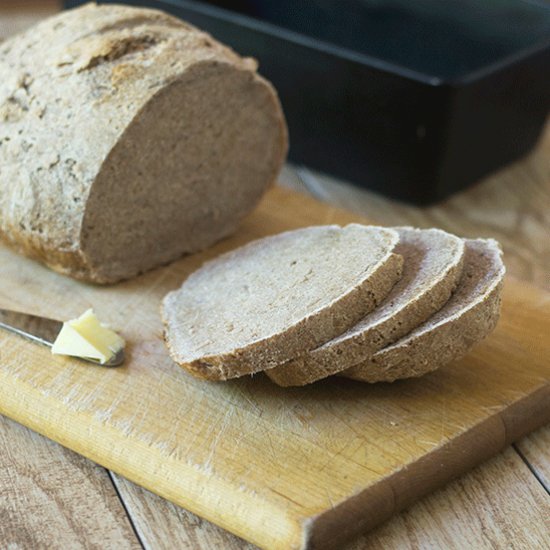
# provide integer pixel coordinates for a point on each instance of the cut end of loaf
(196, 160)
(147, 139)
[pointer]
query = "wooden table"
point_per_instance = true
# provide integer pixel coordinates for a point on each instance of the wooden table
(52, 498)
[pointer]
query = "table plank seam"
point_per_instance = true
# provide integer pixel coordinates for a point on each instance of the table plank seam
(532, 468)
(126, 511)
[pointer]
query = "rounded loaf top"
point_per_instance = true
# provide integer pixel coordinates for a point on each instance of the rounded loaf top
(128, 138)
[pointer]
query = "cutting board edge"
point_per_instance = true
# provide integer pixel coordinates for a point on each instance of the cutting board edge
(361, 512)
(301, 530)
(357, 514)
(275, 529)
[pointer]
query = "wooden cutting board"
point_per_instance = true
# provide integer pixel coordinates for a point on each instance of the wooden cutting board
(283, 468)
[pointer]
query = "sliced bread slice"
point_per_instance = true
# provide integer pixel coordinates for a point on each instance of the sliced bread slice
(468, 317)
(431, 270)
(264, 303)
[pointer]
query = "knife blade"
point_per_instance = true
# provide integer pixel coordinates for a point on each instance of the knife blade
(44, 331)
(39, 329)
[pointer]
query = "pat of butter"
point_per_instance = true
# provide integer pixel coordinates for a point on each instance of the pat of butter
(88, 338)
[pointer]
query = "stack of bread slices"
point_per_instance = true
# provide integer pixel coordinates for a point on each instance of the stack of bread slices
(369, 303)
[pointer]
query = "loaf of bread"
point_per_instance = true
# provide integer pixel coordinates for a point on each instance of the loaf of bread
(266, 302)
(127, 139)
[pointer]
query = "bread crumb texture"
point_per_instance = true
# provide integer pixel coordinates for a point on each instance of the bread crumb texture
(369, 303)
(129, 138)
(263, 303)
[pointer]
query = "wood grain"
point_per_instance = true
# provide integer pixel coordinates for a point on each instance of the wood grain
(235, 452)
(53, 498)
(512, 205)
(17, 15)
(484, 501)
(164, 526)
(34, 7)
(424, 525)
(535, 449)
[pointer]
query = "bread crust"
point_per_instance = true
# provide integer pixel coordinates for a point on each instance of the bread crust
(70, 89)
(432, 267)
(270, 347)
(470, 315)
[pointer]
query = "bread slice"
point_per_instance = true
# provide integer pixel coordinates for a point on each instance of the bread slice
(468, 317)
(129, 138)
(431, 269)
(260, 305)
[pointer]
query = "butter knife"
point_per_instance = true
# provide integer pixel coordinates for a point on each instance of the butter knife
(44, 331)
